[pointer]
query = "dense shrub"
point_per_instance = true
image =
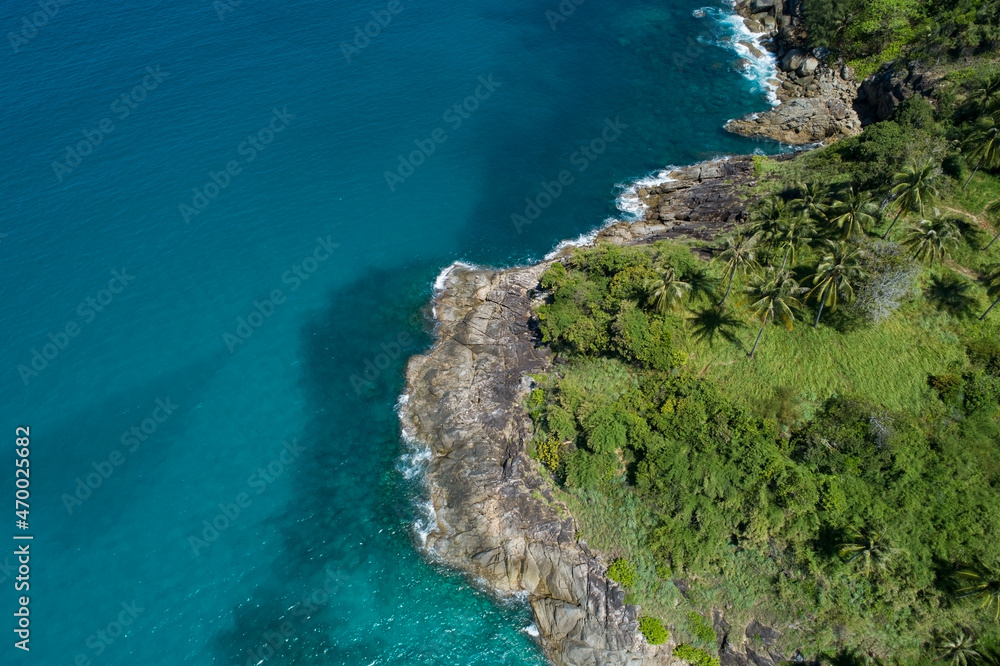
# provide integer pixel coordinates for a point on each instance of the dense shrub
(653, 630)
(695, 656)
(751, 499)
(623, 572)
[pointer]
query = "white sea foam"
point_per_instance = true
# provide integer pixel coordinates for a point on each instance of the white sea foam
(630, 203)
(426, 521)
(731, 30)
(531, 630)
(441, 281)
(583, 240)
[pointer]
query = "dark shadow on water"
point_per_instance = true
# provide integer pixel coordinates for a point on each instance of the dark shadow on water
(346, 501)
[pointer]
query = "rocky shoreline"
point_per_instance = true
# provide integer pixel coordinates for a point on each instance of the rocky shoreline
(816, 100)
(494, 515)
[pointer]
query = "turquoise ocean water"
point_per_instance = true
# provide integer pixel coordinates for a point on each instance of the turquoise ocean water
(211, 287)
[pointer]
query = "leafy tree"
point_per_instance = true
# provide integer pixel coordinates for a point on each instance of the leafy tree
(774, 297)
(737, 254)
(834, 277)
(914, 187)
(931, 240)
(993, 210)
(704, 284)
(796, 232)
(852, 214)
(979, 581)
(985, 147)
(667, 291)
(992, 280)
(951, 293)
(985, 93)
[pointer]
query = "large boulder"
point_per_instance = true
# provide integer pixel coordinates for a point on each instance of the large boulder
(793, 60)
(881, 93)
(808, 67)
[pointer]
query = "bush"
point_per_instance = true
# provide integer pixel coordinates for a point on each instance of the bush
(653, 630)
(694, 656)
(948, 386)
(549, 453)
(981, 392)
(588, 470)
(700, 628)
(623, 572)
(890, 278)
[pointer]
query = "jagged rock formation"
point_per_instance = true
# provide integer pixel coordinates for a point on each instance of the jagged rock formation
(495, 515)
(881, 93)
(496, 518)
(817, 101)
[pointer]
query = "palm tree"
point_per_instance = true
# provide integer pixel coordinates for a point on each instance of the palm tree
(959, 650)
(868, 545)
(667, 291)
(834, 275)
(914, 186)
(979, 581)
(702, 281)
(738, 254)
(811, 200)
(774, 297)
(708, 323)
(985, 146)
(993, 210)
(796, 231)
(853, 214)
(992, 280)
(951, 293)
(770, 217)
(984, 96)
(931, 240)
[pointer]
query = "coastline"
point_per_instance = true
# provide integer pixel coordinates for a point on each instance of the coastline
(489, 512)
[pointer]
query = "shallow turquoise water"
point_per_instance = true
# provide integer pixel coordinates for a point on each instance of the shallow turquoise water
(318, 566)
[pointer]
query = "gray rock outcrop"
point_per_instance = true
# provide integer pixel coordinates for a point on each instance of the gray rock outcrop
(881, 93)
(495, 516)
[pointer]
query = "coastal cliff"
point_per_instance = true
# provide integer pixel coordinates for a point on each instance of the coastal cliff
(494, 515)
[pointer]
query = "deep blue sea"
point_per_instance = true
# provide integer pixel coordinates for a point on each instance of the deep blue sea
(220, 226)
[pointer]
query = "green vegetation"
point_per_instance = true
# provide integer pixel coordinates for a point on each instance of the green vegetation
(870, 32)
(622, 573)
(653, 630)
(701, 628)
(694, 656)
(835, 476)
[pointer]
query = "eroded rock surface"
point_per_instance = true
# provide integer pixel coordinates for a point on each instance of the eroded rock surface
(495, 516)
(816, 101)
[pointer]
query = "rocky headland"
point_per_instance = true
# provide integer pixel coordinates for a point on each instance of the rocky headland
(495, 516)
